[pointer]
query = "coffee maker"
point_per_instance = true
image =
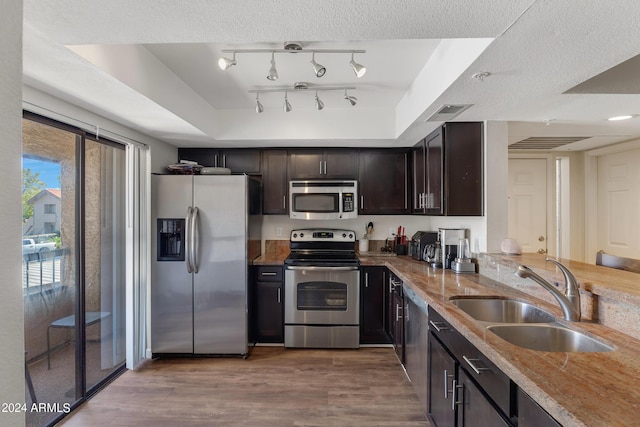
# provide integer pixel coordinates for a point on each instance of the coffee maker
(449, 239)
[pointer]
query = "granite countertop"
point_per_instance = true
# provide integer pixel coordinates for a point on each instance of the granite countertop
(582, 389)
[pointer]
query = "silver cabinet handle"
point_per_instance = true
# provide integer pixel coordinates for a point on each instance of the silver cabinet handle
(325, 167)
(406, 192)
(439, 327)
(320, 167)
(361, 202)
(446, 384)
(187, 245)
(284, 201)
(278, 295)
(224, 160)
(195, 240)
(398, 308)
(366, 280)
(215, 160)
(268, 273)
(476, 369)
(454, 389)
(406, 312)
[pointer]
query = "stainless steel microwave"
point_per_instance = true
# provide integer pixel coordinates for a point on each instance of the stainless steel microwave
(320, 199)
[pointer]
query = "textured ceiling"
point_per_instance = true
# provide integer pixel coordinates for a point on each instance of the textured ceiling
(151, 66)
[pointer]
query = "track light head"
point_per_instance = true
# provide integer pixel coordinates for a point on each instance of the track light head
(359, 69)
(225, 63)
(318, 69)
(273, 73)
(351, 99)
(259, 107)
(319, 103)
(287, 105)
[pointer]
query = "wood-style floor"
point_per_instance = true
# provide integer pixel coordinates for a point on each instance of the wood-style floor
(273, 387)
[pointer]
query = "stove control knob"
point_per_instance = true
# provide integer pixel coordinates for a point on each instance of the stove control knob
(301, 234)
(351, 235)
(344, 235)
(295, 234)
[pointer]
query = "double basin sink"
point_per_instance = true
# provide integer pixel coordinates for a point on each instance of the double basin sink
(526, 325)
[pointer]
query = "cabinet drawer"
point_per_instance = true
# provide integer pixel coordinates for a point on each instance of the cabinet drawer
(494, 382)
(269, 273)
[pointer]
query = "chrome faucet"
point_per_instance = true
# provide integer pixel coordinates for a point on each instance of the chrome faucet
(569, 301)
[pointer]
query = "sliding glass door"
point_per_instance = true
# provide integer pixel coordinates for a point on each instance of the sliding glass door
(73, 264)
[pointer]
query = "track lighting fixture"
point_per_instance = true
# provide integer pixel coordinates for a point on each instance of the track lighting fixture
(300, 87)
(352, 99)
(273, 73)
(319, 103)
(225, 63)
(318, 69)
(295, 48)
(359, 69)
(259, 107)
(287, 106)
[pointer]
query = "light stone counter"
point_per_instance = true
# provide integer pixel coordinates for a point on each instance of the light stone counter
(577, 389)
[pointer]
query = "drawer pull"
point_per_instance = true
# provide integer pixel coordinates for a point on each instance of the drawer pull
(474, 367)
(439, 327)
(268, 273)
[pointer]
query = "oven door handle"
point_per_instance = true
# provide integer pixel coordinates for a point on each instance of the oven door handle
(320, 268)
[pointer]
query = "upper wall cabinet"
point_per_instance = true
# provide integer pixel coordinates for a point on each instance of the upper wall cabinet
(241, 160)
(447, 167)
(323, 164)
(383, 179)
(274, 182)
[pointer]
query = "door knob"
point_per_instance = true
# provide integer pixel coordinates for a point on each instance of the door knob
(542, 251)
(540, 238)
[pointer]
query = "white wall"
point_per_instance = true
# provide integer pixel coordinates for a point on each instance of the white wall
(496, 184)
(11, 305)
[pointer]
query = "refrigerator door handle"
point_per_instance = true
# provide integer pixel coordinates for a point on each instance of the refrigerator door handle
(187, 234)
(195, 240)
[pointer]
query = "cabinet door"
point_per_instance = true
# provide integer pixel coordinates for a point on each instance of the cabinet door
(306, 164)
(433, 199)
(240, 160)
(418, 158)
(463, 168)
(442, 370)
(383, 182)
(341, 164)
(372, 305)
(269, 312)
(398, 323)
(204, 156)
(474, 410)
(530, 414)
(274, 182)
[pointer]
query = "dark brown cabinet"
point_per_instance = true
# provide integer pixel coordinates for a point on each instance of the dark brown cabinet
(268, 304)
(274, 182)
(373, 299)
(530, 414)
(447, 168)
(383, 182)
(465, 388)
(240, 160)
(323, 164)
(395, 321)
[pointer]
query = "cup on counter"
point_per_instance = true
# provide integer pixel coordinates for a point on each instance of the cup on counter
(363, 245)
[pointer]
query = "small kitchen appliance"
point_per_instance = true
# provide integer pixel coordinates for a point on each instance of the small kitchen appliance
(449, 239)
(463, 262)
(419, 242)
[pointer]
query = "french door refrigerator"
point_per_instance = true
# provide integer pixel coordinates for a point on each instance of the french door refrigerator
(205, 232)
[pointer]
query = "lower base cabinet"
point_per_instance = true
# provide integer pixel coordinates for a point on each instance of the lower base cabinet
(416, 331)
(373, 303)
(268, 304)
(467, 389)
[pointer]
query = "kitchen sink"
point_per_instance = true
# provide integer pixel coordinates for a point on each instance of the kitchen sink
(547, 337)
(501, 310)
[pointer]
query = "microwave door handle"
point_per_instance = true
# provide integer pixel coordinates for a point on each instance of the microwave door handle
(187, 243)
(195, 240)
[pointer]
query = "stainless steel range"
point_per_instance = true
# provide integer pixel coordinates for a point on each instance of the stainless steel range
(322, 290)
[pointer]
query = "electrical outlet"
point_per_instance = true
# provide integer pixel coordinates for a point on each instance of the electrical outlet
(278, 231)
(392, 231)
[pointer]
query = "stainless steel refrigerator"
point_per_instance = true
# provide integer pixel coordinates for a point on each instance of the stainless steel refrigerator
(206, 229)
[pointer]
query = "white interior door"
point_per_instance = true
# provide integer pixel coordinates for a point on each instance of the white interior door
(619, 203)
(528, 203)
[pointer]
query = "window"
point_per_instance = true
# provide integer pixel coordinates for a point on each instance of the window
(49, 208)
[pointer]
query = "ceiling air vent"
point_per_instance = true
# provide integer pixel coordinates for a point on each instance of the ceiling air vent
(447, 112)
(545, 142)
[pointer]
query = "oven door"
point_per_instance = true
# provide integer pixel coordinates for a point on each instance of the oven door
(322, 295)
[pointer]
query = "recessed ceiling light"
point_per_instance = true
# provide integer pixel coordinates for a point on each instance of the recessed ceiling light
(612, 119)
